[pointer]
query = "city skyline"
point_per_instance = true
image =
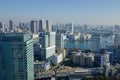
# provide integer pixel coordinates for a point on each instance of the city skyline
(77, 11)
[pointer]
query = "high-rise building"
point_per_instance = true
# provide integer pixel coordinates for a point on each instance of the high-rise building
(96, 42)
(117, 47)
(34, 26)
(42, 25)
(106, 69)
(105, 58)
(22, 25)
(47, 41)
(48, 25)
(59, 41)
(70, 27)
(89, 60)
(2, 27)
(11, 25)
(16, 56)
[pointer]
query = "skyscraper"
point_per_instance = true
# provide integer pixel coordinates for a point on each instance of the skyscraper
(105, 58)
(45, 25)
(16, 56)
(2, 27)
(59, 41)
(34, 26)
(117, 47)
(96, 40)
(42, 25)
(47, 41)
(48, 25)
(71, 28)
(11, 25)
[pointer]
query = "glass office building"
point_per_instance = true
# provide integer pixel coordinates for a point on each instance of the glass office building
(16, 56)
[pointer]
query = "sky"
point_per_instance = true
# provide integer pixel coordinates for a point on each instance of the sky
(62, 11)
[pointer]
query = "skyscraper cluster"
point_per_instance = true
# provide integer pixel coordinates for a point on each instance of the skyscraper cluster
(42, 25)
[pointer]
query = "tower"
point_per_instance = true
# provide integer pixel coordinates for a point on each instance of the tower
(96, 40)
(16, 56)
(47, 41)
(42, 25)
(59, 41)
(117, 47)
(34, 26)
(2, 27)
(11, 25)
(48, 26)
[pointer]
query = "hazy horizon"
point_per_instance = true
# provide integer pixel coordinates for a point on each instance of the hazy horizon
(77, 11)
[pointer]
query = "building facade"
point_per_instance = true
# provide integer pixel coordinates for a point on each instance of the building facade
(48, 26)
(45, 25)
(59, 41)
(16, 57)
(41, 66)
(11, 25)
(105, 58)
(2, 27)
(83, 59)
(34, 26)
(42, 25)
(96, 42)
(47, 41)
(117, 47)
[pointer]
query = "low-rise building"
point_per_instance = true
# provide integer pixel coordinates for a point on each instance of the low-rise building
(83, 59)
(58, 58)
(40, 66)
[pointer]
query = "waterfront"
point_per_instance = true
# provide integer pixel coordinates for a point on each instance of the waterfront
(77, 44)
(105, 42)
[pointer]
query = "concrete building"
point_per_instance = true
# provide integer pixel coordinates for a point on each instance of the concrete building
(117, 47)
(111, 57)
(45, 25)
(57, 58)
(59, 41)
(11, 25)
(2, 27)
(47, 41)
(89, 60)
(105, 59)
(83, 59)
(48, 26)
(106, 69)
(16, 56)
(70, 27)
(34, 26)
(96, 40)
(42, 25)
(97, 59)
(79, 74)
(37, 51)
(40, 66)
